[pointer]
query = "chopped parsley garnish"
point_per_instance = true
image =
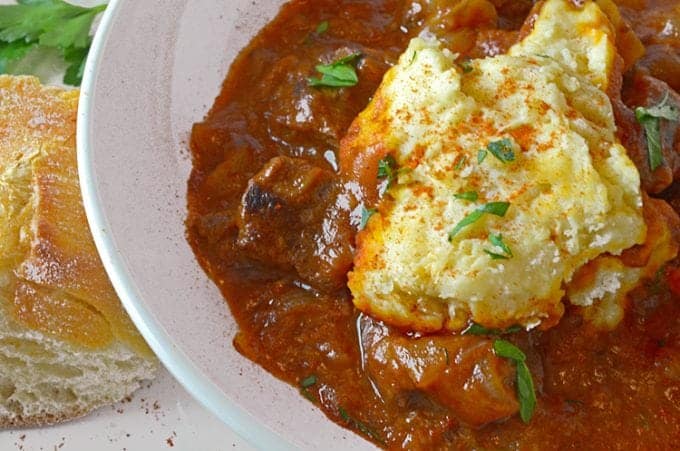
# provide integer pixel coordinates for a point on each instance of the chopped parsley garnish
(481, 155)
(650, 119)
(495, 256)
(501, 149)
(497, 240)
(466, 66)
(493, 208)
(360, 426)
(387, 169)
(47, 24)
(413, 57)
(340, 73)
(366, 214)
(461, 162)
(472, 196)
(322, 27)
(525, 384)
(307, 382)
(478, 329)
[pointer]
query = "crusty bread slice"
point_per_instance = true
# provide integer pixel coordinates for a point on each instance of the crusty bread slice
(66, 344)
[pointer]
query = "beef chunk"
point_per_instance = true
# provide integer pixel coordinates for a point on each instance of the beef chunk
(644, 90)
(291, 217)
(438, 366)
(303, 115)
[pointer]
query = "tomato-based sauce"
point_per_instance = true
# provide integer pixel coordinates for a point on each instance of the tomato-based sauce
(273, 222)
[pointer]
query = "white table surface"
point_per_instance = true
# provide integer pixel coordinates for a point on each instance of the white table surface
(160, 416)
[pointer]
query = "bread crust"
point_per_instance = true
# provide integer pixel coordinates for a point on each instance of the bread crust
(36, 421)
(52, 280)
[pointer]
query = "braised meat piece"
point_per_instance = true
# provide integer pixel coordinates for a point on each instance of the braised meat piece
(300, 114)
(292, 217)
(644, 90)
(459, 372)
(663, 62)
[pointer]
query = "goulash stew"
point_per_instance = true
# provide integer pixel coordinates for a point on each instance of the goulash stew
(453, 224)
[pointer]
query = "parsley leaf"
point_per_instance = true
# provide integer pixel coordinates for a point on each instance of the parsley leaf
(494, 208)
(465, 65)
(466, 221)
(74, 33)
(477, 329)
(472, 196)
(322, 27)
(653, 133)
(388, 170)
(525, 384)
(304, 387)
(13, 51)
(501, 149)
(386, 167)
(481, 155)
(76, 59)
(497, 240)
(54, 24)
(495, 256)
(650, 118)
(663, 110)
(308, 381)
(527, 394)
(366, 214)
(461, 162)
(340, 73)
(362, 427)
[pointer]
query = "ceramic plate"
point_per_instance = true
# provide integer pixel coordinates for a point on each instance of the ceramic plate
(154, 70)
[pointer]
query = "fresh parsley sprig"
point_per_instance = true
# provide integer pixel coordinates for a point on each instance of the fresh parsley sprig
(650, 119)
(525, 384)
(52, 24)
(338, 74)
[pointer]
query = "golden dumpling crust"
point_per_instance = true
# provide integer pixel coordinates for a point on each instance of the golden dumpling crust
(572, 192)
